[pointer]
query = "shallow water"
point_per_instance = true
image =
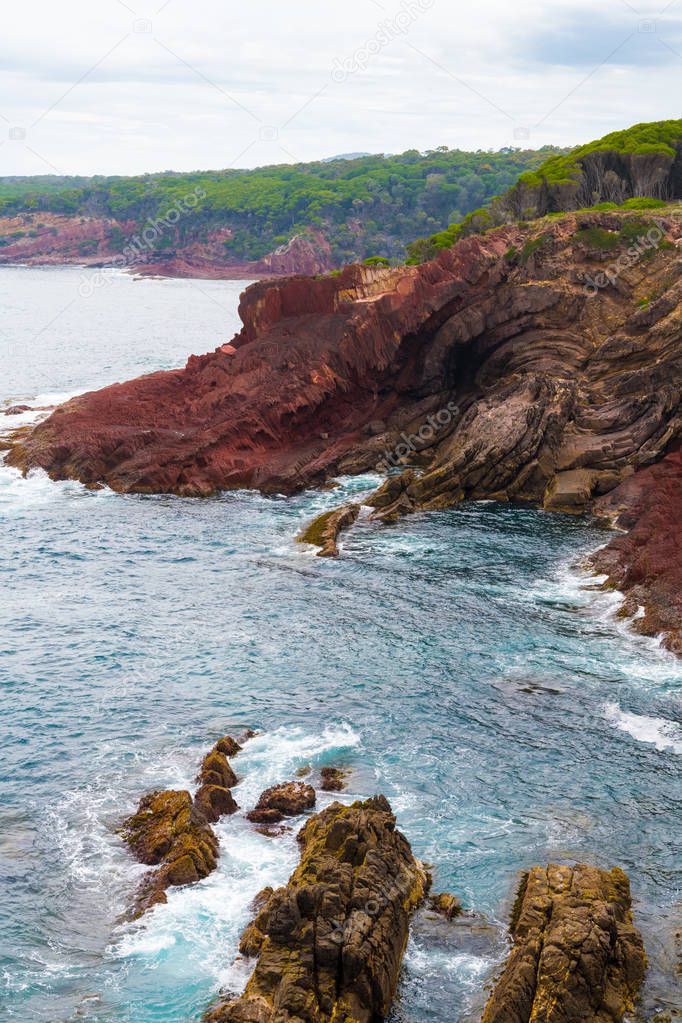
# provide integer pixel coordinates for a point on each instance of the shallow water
(459, 662)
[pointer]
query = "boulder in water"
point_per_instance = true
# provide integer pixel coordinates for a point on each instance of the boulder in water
(576, 954)
(287, 800)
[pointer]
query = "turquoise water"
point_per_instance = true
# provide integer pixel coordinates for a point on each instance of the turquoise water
(459, 662)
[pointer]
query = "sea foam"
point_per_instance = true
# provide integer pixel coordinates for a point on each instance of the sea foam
(665, 735)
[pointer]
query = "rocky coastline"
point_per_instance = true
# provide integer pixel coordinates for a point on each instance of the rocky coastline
(99, 242)
(329, 944)
(536, 363)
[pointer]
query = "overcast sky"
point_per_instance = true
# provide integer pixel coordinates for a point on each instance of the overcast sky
(128, 86)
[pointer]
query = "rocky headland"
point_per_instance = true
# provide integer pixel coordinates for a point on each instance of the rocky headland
(536, 363)
(58, 239)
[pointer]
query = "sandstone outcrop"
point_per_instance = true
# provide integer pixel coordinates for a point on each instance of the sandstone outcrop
(332, 940)
(539, 363)
(279, 801)
(576, 954)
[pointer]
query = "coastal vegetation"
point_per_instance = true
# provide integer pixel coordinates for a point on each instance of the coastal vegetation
(639, 168)
(370, 206)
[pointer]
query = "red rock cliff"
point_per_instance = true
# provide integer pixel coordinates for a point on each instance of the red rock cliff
(497, 370)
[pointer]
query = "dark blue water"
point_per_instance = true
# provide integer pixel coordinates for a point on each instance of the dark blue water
(458, 662)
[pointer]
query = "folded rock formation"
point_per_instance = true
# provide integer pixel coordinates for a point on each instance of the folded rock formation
(538, 363)
(576, 954)
(331, 942)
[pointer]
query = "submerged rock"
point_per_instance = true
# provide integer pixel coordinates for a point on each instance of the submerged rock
(576, 954)
(334, 937)
(445, 905)
(333, 779)
(324, 531)
(287, 800)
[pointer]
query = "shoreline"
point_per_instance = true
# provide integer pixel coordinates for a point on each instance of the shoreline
(239, 272)
(587, 573)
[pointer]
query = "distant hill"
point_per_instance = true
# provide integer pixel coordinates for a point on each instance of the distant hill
(334, 211)
(346, 156)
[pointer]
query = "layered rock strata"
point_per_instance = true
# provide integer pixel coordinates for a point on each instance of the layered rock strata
(539, 363)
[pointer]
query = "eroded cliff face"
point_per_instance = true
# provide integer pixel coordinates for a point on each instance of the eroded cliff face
(537, 363)
(644, 562)
(54, 239)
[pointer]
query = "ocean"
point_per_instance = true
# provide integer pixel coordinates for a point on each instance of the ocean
(461, 662)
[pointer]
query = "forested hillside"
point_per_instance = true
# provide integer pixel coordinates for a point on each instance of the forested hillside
(368, 206)
(637, 168)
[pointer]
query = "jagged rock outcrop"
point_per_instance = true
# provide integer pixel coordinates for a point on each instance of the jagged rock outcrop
(172, 831)
(216, 777)
(331, 941)
(279, 801)
(537, 363)
(576, 954)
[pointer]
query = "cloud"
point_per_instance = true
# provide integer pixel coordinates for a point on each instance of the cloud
(129, 87)
(588, 38)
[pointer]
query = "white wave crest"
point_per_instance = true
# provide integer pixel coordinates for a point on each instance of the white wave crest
(665, 735)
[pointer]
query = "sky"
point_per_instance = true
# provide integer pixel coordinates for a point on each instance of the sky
(135, 86)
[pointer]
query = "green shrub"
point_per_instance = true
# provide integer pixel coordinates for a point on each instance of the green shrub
(597, 238)
(532, 246)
